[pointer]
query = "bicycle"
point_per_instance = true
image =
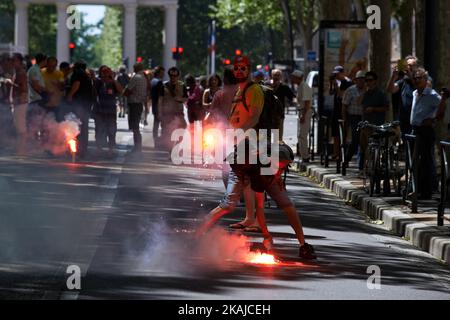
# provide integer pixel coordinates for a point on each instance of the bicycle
(382, 161)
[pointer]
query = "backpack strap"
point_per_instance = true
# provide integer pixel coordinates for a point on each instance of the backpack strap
(243, 100)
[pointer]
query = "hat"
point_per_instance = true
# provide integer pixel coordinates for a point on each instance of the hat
(242, 59)
(360, 74)
(297, 74)
(258, 73)
(338, 69)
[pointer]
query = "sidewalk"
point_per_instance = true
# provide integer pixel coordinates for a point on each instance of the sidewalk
(420, 228)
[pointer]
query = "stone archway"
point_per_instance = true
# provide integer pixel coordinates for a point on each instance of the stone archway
(129, 28)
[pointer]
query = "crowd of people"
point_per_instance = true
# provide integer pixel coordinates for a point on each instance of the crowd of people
(34, 92)
(418, 107)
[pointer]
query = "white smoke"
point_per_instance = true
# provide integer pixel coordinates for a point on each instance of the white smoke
(59, 133)
(176, 250)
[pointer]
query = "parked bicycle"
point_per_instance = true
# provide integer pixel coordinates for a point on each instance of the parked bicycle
(382, 162)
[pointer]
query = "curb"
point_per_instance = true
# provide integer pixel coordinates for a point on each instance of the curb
(432, 239)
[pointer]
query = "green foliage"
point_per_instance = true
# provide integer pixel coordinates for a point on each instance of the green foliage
(7, 21)
(255, 27)
(193, 35)
(149, 25)
(242, 13)
(86, 43)
(109, 46)
(42, 29)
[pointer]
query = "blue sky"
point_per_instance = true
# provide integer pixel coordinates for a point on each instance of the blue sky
(93, 13)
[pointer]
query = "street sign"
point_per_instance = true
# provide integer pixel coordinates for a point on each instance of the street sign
(312, 55)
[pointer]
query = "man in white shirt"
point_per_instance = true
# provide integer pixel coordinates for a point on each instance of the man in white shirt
(304, 100)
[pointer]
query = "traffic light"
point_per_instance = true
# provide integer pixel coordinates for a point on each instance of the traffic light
(238, 52)
(226, 62)
(177, 52)
(71, 49)
(139, 59)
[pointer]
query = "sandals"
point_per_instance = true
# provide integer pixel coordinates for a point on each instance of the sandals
(241, 226)
(237, 226)
(254, 229)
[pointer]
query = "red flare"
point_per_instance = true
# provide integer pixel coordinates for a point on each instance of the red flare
(72, 145)
(261, 258)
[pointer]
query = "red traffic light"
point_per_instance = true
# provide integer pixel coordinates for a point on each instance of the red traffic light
(227, 61)
(71, 45)
(266, 68)
(180, 50)
(139, 59)
(238, 52)
(174, 50)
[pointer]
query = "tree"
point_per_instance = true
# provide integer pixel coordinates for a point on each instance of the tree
(109, 46)
(403, 11)
(420, 29)
(42, 29)
(86, 43)
(7, 21)
(381, 44)
(441, 42)
(341, 12)
(264, 17)
(305, 19)
(150, 22)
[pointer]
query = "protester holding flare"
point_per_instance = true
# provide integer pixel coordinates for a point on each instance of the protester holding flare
(246, 115)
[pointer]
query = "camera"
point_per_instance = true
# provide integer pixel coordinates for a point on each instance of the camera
(445, 92)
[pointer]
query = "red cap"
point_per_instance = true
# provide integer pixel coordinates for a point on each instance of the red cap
(242, 59)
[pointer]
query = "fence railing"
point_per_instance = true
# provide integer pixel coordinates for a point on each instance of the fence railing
(445, 175)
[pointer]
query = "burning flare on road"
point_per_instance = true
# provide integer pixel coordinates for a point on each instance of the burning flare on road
(261, 258)
(72, 147)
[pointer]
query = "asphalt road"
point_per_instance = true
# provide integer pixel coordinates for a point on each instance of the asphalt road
(128, 223)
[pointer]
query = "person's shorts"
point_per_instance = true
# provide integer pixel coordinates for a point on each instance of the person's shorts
(134, 115)
(238, 180)
(196, 114)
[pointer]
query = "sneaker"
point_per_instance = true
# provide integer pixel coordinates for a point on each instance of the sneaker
(307, 252)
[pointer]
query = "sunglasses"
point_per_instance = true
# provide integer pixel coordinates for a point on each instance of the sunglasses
(418, 78)
(242, 69)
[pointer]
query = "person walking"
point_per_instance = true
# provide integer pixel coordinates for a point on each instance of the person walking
(137, 92)
(105, 112)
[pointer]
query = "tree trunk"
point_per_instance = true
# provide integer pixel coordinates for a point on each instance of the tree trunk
(406, 32)
(332, 11)
(420, 30)
(381, 45)
(360, 11)
(442, 42)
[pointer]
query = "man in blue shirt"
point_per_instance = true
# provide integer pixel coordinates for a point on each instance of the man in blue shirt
(426, 102)
(405, 86)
